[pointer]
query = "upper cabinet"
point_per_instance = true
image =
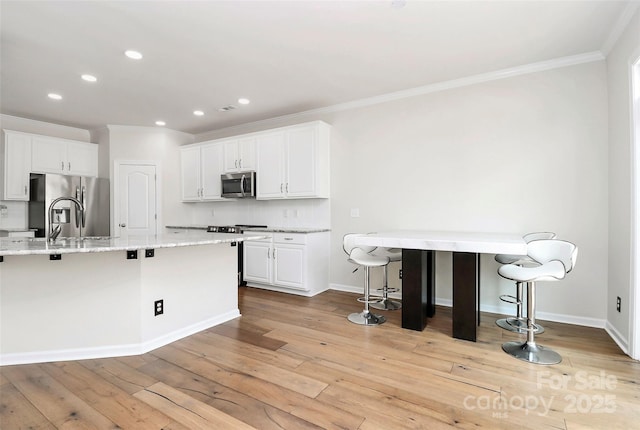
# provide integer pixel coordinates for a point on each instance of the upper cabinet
(240, 154)
(201, 167)
(293, 162)
(290, 163)
(23, 153)
(65, 157)
(16, 164)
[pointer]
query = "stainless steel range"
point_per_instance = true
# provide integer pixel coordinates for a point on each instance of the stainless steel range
(235, 229)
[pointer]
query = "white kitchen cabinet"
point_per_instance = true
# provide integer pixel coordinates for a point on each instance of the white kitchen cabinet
(16, 165)
(296, 263)
(201, 167)
(289, 265)
(257, 262)
(240, 154)
(62, 156)
(293, 162)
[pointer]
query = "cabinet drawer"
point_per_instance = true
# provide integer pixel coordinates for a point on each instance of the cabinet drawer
(294, 238)
(259, 233)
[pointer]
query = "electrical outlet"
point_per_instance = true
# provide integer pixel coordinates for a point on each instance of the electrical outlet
(158, 307)
(618, 304)
(400, 274)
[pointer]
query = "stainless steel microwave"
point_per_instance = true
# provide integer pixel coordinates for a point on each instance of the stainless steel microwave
(239, 185)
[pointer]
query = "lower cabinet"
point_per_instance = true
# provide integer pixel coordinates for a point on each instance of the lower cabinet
(288, 262)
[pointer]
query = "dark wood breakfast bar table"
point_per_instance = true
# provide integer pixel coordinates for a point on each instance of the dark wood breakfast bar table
(418, 271)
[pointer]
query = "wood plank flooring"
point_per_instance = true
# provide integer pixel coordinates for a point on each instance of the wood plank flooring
(296, 363)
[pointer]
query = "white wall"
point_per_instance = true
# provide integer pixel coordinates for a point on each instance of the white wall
(127, 143)
(274, 213)
(522, 154)
(515, 155)
(620, 178)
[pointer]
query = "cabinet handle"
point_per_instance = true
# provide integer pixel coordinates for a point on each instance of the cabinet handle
(288, 238)
(240, 162)
(274, 254)
(236, 163)
(268, 253)
(287, 188)
(25, 190)
(69, 165)
(280, 186)
(62, 165)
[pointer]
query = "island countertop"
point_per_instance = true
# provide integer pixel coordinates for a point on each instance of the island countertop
(33, 246)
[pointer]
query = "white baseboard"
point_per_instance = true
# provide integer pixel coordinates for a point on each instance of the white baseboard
(502, 310)
(114, 350)
(617, 338)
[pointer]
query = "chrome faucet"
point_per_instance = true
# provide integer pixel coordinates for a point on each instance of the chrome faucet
(54, 232)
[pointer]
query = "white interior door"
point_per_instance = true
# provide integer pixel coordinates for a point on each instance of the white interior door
(136, 194)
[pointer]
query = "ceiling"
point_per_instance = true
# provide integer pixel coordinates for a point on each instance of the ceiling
(285, 56)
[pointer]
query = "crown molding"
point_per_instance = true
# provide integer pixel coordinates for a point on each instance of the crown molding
(541, 66)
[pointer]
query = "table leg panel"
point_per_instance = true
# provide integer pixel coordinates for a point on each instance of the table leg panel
(465, 294)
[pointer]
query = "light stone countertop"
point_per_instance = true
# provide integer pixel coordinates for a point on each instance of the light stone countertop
(264, 229)
(33, 246)
(288, 229)
(475, 242)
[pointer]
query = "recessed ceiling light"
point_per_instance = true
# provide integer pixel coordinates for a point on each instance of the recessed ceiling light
(89, 78)
(244, 101)
(54, 96)
(134, 55)
(161, 123)
(198, 113)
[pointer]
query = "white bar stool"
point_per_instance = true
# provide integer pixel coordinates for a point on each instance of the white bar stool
(387, 304)
(360, 255)
(518, 324)
(556, 258)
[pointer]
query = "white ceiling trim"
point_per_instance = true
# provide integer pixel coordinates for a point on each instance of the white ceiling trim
(431, 88)
(619, 27)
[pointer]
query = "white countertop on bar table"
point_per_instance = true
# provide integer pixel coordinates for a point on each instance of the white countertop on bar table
(32, 246)
(454, 241)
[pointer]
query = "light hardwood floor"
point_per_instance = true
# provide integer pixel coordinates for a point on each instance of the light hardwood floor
(296, 363)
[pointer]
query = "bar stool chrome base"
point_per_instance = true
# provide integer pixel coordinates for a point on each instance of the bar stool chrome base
(531, 352)
(516, 325)
(366, 318)
(387, 305)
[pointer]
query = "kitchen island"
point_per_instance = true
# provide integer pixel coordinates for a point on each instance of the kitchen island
(101, 297)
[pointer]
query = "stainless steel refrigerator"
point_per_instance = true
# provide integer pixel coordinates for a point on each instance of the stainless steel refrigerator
(92, 192)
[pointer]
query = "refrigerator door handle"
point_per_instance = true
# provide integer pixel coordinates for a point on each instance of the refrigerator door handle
(77, 209)
(84, 206)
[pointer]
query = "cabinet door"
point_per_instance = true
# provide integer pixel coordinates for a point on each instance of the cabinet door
(301, 162)
(48, 155)
(257, 262)
(289, 266)
(231, 156)
(82, 159)
(190, 173)
(247, 153)
(270, 166)
(17, 164)
(211, 165)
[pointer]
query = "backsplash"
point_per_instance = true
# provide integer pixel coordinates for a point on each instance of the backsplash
(303, 213)
(13, 214)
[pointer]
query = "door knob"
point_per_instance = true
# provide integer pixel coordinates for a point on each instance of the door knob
(122, 225)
